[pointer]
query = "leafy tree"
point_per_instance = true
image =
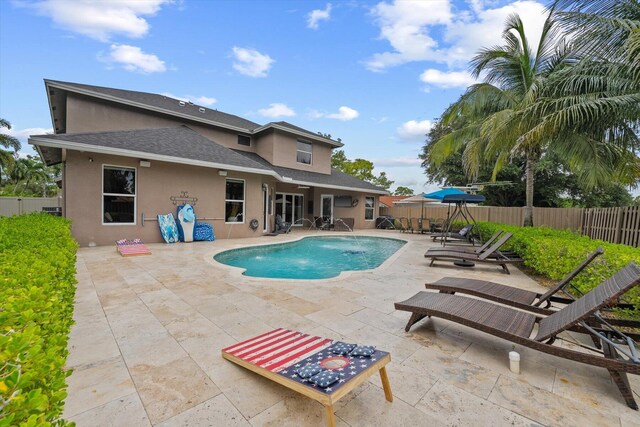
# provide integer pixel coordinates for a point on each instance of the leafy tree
(30, 177)
(534, 105)
(491, 130)
(360, 168)
(403, 191)
(556, 185)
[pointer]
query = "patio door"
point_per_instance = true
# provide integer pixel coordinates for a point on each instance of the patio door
(326, 208)
(290, 207)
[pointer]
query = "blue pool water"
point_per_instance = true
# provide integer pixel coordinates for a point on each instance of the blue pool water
(312, 257)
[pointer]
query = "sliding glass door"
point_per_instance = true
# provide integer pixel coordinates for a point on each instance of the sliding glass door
(290, 207)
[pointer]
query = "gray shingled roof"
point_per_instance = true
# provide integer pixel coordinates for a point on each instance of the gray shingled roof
(179, 142)
(166, 103)
(336, 178)
(299, 129)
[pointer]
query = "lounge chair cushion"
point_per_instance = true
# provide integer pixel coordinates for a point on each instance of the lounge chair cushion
(342, 348)
(363, 351)
(325, 378)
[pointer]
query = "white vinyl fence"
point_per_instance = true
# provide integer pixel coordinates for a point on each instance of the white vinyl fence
(21, 205)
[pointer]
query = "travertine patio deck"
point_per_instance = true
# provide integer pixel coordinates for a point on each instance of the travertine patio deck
(145, 348)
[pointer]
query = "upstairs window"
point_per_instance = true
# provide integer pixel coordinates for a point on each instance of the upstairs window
(234, 201)
(304, 153)
(118, 195)
(244, 140)
(369, 203)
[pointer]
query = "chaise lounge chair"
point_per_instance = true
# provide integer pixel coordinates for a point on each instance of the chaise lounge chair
(463, 234)
(515, 297)
(465, 249)
(618, 355)
(490, 256)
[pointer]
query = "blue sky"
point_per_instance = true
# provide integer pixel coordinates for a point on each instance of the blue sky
(374, 74)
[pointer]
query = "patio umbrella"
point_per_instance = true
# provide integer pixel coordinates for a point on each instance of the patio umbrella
(419, 199)
(439, 195)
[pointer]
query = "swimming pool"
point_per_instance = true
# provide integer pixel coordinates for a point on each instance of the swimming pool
(312, 257)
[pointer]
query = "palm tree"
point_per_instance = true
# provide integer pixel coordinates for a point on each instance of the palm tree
(7, 141)
(487, 117)
(599, 98)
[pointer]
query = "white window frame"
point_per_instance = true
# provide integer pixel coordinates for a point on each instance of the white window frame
(291, 220)
(322, 213)
(310, 152)
(244, 199)
(134, 195)
(372, 208)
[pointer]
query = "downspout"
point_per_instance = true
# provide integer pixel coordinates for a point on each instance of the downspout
(64, 182)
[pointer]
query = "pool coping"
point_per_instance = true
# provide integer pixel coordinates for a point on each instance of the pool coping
(238, 271)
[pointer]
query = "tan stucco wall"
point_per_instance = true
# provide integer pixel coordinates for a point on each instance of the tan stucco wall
(154, 187)
(285, 154)
(264, 146)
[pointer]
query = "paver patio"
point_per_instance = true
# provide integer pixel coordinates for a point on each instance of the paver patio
(145, 348)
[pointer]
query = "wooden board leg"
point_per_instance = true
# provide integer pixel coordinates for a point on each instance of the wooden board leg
(331, 419)
(385, 384)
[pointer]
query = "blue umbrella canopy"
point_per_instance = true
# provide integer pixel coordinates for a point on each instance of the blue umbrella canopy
(439, 195)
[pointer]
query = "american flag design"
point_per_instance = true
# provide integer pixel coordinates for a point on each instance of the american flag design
(132, 247)
(284, 351)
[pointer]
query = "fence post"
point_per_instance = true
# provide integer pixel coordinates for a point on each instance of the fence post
(618, 232)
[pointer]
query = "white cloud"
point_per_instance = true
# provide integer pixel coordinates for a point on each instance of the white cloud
(23, 134)
(251, 63)
(405, 25)
(276, 110)
(446, 79)
(409, 27)
(132, 58)
(100, 19)
(344, 114)
(198, 100)
(415, 130)
(317, 15)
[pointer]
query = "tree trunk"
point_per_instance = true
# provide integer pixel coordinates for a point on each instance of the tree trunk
(528, 209)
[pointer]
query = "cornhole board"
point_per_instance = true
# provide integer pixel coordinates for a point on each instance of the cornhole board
(132, 247)
(276, 355)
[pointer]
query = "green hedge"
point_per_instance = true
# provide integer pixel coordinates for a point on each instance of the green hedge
(554, 253)
(37, 274)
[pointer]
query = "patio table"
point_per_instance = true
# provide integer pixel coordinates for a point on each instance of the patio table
(277, 354)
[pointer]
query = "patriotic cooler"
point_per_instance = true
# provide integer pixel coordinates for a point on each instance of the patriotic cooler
(320, 368)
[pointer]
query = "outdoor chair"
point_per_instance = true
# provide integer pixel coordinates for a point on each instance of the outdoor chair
(618, 355)
(464, 249)
(416, 225)
(404, 224)
(515, 297)
(463, 234)
(281, 225)
(492, 255)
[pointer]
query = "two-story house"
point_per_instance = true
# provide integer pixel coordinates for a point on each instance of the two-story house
(128, 156)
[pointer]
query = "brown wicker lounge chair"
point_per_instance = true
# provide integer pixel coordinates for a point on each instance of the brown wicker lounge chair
(618, 355)
(466, 249)
(490, 256)
(463, 234)
(515, 297)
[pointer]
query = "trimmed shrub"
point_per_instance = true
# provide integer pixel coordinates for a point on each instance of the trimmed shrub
(37, 287)
(555, 253)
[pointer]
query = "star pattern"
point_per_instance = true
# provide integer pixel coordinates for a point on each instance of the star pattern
(310, 373)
